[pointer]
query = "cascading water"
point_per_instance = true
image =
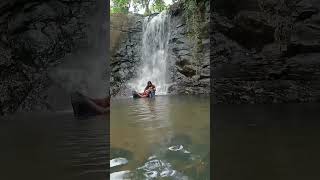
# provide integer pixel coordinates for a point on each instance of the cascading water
(154, 54)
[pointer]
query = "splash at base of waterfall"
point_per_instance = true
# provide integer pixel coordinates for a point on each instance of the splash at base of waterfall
(154, 55)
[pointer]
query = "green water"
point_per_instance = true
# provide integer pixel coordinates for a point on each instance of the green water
(167, 137)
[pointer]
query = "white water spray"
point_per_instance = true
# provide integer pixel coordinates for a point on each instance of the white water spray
(154, 54)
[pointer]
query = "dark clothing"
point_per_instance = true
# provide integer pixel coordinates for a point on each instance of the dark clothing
(152, 86)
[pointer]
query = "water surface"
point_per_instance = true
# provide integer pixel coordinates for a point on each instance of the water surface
(164, 137)
(266, 141)
(54, 146)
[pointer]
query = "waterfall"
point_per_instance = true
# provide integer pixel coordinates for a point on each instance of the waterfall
(154, 54)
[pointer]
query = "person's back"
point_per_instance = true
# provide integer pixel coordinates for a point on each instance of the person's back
(152, 90)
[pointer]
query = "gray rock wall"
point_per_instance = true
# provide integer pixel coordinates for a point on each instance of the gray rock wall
(35, 36)
(126, 55)
(190, 71)
(266, 51)
(189, 75)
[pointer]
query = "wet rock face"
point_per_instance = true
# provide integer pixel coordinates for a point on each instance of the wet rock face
(188, 74)
(126, 44)
(34, 35)
(267, 53)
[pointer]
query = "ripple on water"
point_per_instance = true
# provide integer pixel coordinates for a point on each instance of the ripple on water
(120, 152)
(121, 175)
(118, 161)
(163, 136)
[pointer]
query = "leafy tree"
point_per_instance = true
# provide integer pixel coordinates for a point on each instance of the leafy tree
(120, 6)
(158, 6)
(145, 4)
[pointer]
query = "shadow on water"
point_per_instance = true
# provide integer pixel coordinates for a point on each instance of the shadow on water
(266, 142)
(54, 146)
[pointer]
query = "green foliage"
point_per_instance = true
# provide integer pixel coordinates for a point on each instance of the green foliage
(142, 3)
(194, 22)
(120, 6)
(283, 23)
(158, 6)
(145, 4)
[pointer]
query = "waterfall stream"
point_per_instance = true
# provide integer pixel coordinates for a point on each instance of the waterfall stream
(154, 54)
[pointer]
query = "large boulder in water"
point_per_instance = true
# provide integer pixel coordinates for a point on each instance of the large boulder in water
(85, 106)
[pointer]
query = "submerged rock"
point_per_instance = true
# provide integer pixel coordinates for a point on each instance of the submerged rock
(118, 161)
(178, 148)
(156, 168)
(120, 175)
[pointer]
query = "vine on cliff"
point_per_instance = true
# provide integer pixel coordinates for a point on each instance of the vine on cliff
(283, 22)
(194, 20)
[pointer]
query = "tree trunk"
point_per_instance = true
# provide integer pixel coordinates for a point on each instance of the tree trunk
(147, 10)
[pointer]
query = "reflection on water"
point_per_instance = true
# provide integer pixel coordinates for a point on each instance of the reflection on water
(164, 137)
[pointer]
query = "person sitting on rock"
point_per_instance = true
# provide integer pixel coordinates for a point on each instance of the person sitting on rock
(145, 93)
(151, 89)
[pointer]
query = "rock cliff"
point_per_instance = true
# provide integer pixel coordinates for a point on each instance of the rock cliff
(35, 37)
(189, 75)
(126, 44)
(265, 51)
(189, 60)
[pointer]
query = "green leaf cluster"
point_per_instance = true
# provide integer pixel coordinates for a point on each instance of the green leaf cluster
(158, 6)
(194, 22)
(122, 6)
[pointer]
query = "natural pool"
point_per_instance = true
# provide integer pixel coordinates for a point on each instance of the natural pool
(54, 145)
(167, 137)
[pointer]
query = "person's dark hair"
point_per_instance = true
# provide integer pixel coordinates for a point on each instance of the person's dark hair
(148, 85)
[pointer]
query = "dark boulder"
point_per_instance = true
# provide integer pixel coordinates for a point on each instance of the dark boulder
(250, 26)
(305, 9)
(85, 106)
(305, 36)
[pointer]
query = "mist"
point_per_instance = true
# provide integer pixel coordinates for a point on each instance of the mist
(87, 69)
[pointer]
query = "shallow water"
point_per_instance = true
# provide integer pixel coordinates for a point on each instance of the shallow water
(164, 137)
